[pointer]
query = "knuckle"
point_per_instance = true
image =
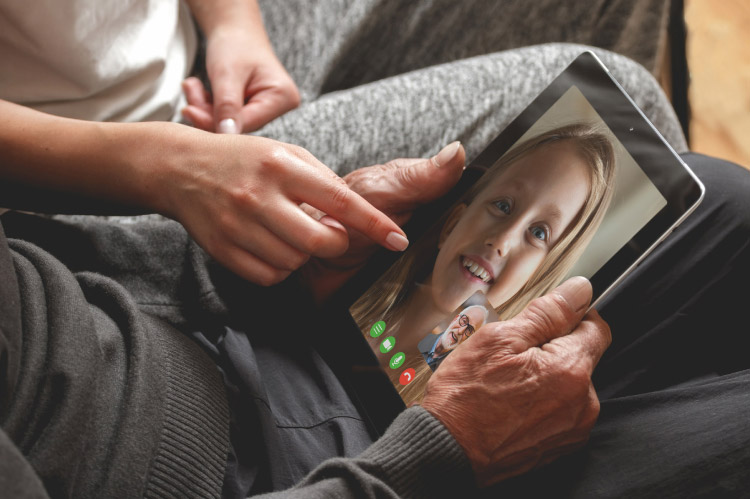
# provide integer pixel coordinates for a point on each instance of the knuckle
(296, 151)
(242, 198)
(271, 276)
(560, 307)
(213, 247)
(224, 105)
(362, 181)
(313, 243)
(298, 259)
(225, 219)
(578, 378)
(293, 97)
(604, 330)
(575, 387)
(538, 314)
(341, 196)
(372, 224)
(590, 412)
(594, 407)
(598, 337)
(407, 177)
(290, 261)
(278, 155)
(265, 279)
(550, 311)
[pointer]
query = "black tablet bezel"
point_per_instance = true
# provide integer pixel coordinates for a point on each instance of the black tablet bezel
(348, 351)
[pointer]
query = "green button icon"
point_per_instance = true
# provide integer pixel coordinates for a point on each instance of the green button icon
(397, 360)
(387, 344)
(377, 329)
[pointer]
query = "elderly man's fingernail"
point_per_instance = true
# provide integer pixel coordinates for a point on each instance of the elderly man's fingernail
(577, 292)
(446, 154)
(228, 126)
(396, 241)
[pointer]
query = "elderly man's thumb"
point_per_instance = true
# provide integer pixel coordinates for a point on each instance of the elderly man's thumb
(441, 172)
(554, 314)
(403, 184)
(449, 156)
(577, 293)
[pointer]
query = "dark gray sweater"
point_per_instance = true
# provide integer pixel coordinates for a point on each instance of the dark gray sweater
(103, 395)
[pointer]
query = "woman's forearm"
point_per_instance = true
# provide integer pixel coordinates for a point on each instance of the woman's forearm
(239, 196)
(53, 164)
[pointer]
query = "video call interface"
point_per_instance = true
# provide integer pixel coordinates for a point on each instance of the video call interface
(564, 199)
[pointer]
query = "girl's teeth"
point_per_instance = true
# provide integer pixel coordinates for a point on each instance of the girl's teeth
(476, 269)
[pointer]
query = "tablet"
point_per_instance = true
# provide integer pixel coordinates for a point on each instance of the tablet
(580, 183)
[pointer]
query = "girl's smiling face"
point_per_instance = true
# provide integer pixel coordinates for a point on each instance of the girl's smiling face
(497, 242)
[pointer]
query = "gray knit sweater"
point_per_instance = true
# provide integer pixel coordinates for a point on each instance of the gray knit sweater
(100, 398)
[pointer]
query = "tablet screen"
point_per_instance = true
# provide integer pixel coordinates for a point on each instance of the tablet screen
(579, 184)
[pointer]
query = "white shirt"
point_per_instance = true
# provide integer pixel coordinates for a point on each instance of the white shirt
(99, 60)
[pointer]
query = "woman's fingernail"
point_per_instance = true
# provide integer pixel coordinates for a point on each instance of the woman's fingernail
(397, 241)
(446, 154)
(228, 126)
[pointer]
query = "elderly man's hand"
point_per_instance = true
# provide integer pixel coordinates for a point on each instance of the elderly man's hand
(396, 188)
(518, 393)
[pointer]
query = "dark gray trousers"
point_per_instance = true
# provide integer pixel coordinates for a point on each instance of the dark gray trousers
(674, 384)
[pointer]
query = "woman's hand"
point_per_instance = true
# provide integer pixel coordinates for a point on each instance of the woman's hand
(240, 196)
(249, 85)
(396, 188)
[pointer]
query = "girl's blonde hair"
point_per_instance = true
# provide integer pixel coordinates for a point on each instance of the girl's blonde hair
(384, 300)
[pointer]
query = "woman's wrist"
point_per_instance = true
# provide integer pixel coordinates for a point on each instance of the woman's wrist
(221, 17)
(104, 162)
(155, 160)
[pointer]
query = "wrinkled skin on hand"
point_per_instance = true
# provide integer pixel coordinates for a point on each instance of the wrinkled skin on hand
(396, 188)
(518, 394)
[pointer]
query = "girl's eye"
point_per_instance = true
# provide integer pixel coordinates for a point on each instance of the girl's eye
(539, 233)
(503, 206)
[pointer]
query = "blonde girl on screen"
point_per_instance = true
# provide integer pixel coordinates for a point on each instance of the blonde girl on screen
(513, 236)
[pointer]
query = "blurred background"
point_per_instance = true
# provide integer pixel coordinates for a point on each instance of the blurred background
(718, 64)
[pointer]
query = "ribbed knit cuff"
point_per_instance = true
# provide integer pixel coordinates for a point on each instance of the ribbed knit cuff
(420, 458)
(191, 456)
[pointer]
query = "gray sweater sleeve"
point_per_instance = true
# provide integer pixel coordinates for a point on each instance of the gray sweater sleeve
(416, 457)
(126, 403)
